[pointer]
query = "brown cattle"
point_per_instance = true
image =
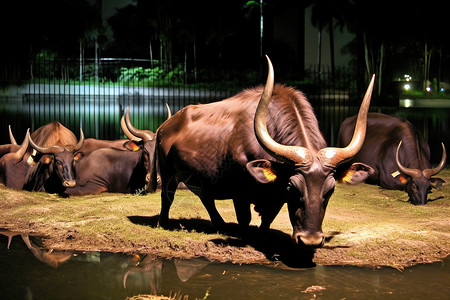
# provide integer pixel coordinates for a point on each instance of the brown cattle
(261, 146)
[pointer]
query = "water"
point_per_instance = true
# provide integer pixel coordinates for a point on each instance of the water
(28, 272)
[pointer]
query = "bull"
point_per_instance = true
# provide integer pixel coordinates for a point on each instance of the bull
(13, 166)
(261, 146)
(122, 168)
(56, 148)
(394, 156)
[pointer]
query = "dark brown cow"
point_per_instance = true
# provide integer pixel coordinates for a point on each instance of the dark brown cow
(56, 148)
(13, 165)
(214, 150)
(125, 170)
(389, 137)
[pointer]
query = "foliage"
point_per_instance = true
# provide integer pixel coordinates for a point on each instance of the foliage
(152, 75)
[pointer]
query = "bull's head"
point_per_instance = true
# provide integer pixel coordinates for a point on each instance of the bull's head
(60, 160)
(146, 140)
(419, 182)
(306, 175)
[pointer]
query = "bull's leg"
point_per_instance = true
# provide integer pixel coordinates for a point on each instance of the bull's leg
(268, 215)
(168, 187)
(243, 214)
(216, 218)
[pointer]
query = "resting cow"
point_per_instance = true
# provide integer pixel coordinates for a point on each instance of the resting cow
(376, 162)
(214, 150)
(13, 165)
(122, 168)
(56, 148)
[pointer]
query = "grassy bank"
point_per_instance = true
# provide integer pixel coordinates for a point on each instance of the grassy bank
(364, 225)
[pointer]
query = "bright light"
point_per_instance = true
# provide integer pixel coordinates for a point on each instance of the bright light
(407, 77)
(442, 90)
(407, 87)
(406, 102)
(428, 88)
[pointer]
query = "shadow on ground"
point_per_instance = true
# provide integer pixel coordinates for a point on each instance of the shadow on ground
(274, 244)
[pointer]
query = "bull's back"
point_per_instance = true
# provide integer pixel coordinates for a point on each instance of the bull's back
(383, 135)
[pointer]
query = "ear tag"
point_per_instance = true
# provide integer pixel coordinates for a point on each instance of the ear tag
(270, 176)
(134, 147)
(348, 176)
(395, 174)
(398, 175)
(402, 179)
(30, 161)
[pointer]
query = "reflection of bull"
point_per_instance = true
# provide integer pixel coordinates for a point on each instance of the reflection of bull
(151, 265)
(395, 155)
(56, 146)
(50, 257)
(213, 149)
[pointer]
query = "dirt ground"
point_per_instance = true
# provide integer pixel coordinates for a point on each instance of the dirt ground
(364, 226)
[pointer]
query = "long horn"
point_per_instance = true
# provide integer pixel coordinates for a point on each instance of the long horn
(169, 112)
(407, 171)
(128, 134)
(24, 147)
(11, 136)
(45, 150)
(288, 154)
(334, 156)
(431, 172)
(80, 141)
(145, 135)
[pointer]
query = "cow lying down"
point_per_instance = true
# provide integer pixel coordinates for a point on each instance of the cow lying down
(394, 156)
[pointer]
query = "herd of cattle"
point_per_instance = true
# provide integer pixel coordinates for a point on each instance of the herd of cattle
(262, 146)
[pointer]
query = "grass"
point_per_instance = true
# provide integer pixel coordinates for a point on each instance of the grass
(364, 225)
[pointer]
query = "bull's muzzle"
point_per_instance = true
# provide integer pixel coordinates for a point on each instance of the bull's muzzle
(69, 183)
(309, 239)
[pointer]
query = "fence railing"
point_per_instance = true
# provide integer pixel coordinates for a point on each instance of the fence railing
(92, 95)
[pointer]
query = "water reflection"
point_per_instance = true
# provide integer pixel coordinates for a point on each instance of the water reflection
(64, 275)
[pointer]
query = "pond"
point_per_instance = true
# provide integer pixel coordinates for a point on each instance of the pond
(29, 272)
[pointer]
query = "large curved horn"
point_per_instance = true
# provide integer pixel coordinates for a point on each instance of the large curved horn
(334, 156)
(125, 130)
(11, 136)
(407, 171)
(145, 135)
(45, 150)
(24, 147)
(289, 154)
(80, 141)
(169, 112)
(431, 172)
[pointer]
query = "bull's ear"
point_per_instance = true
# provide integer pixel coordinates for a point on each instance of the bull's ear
(131, 146)
(436, 182)
(262, 170)
(357, 173)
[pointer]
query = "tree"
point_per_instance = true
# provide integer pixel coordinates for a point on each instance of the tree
(328, 14)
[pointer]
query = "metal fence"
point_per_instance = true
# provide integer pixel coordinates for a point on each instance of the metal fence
(93, 94)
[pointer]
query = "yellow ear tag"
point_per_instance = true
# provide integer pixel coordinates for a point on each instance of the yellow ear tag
(348, 176)
(134, 147)
(270, 176)
(30, 160)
